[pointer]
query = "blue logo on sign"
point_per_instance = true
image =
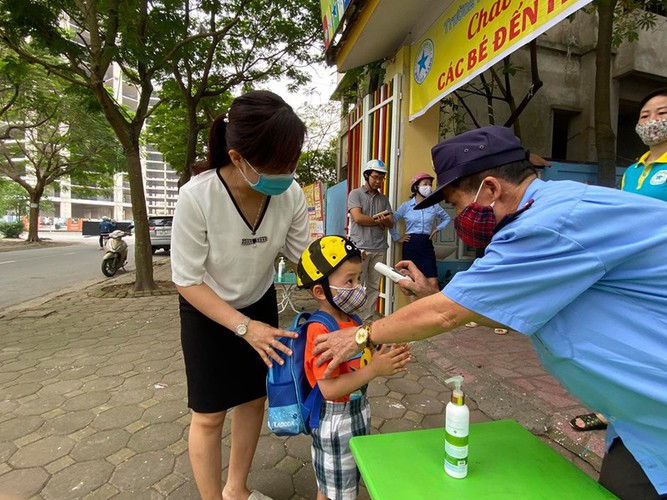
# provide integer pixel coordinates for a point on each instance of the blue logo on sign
(424, 61)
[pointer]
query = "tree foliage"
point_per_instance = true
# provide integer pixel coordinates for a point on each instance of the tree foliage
(318, 159)
(138, 43)
(89, 44)
(170, 127)
(13, 198)
(51, 132)
(250, 42)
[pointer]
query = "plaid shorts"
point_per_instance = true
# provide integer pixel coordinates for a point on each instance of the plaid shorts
(335, 469)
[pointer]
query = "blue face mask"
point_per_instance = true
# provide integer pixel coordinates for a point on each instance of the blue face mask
(269, 184)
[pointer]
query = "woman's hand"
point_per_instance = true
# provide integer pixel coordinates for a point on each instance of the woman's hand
(263, 338)
(404, 238)
(419, 285)
(433, 233)
(336, 346)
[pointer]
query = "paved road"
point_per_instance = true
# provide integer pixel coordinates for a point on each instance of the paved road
(29, 274)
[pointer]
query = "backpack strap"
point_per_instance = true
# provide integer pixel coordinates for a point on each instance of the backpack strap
(300, 319)
(314, 400)
(325, 319)
(356, 319)
(313, 404)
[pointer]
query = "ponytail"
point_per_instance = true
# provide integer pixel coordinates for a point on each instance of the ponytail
(218, 154)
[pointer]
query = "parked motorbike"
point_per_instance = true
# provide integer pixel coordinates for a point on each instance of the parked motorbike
(115, 255)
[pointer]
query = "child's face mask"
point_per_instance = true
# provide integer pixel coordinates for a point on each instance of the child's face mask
(349, 300)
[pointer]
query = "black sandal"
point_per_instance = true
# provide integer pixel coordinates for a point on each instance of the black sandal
(591, 423)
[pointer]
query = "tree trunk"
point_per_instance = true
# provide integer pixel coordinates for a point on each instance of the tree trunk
(33, 219)
(191, 148)
(143, 256)
(605, 140)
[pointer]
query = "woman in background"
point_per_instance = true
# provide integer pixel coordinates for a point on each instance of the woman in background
(420, 227)
(649, 175)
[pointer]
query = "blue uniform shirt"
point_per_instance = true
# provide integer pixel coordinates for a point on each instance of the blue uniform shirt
(647, 179)
(419, 221)
(583, 272)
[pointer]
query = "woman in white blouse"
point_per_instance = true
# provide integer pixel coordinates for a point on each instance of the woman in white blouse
(231, 220)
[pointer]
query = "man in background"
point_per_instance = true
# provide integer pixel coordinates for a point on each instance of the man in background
(370, 218)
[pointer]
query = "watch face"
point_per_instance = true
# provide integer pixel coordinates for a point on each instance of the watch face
(361, 336)
(241, 330)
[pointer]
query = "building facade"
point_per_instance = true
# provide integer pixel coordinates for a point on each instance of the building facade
(379, 39)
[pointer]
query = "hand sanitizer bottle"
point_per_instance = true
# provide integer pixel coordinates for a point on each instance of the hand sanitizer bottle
(281, 268)
(457, 424)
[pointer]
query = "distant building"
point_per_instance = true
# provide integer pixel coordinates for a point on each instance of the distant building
(160, 180)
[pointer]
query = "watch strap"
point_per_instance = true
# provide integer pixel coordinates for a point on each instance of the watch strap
(369, 341)
(244, 323)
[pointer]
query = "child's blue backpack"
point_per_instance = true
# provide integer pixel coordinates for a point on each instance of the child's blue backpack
(294, 408)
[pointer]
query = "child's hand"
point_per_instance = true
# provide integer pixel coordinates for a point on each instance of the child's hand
(390, 360)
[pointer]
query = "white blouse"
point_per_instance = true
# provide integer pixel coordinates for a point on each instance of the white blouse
(212, 243)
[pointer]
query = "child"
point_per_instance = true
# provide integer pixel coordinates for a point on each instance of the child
(330, 268)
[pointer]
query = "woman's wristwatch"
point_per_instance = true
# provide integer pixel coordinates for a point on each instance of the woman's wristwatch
(363, 336)
(242, 328)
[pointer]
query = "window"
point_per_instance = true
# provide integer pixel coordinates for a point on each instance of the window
(560, 133)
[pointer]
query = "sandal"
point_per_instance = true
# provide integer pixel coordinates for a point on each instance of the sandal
(591, 422)
(257, 495)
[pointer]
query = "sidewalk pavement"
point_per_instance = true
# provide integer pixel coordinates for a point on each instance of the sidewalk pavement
(93, 399)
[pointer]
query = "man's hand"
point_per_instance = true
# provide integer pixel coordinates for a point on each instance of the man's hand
(336, 346)
(418, 285)
(385, 220)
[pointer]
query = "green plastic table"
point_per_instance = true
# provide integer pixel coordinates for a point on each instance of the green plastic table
(505, 462)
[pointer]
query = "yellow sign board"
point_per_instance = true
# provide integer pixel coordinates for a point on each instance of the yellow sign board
(332, 14)
(470, 37)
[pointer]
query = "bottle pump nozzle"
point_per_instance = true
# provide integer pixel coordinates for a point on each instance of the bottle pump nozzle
(458, 397)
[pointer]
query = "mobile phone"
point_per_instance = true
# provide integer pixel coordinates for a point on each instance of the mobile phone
(384, 212)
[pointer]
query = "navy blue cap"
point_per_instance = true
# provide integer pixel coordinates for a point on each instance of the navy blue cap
(469, 153)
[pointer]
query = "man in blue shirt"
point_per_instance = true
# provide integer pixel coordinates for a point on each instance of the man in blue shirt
(579, 269)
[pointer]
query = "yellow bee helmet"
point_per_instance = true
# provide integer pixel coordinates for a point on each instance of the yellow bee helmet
(322, 257)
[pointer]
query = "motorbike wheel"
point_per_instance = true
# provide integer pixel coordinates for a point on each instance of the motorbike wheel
(110, 266)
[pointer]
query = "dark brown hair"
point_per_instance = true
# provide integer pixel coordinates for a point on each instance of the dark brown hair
(263, 128)
(655, 93)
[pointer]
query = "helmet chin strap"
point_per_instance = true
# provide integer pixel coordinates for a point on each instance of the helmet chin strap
(329, 296)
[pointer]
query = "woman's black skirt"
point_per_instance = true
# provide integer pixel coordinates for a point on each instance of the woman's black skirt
(222, 369)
